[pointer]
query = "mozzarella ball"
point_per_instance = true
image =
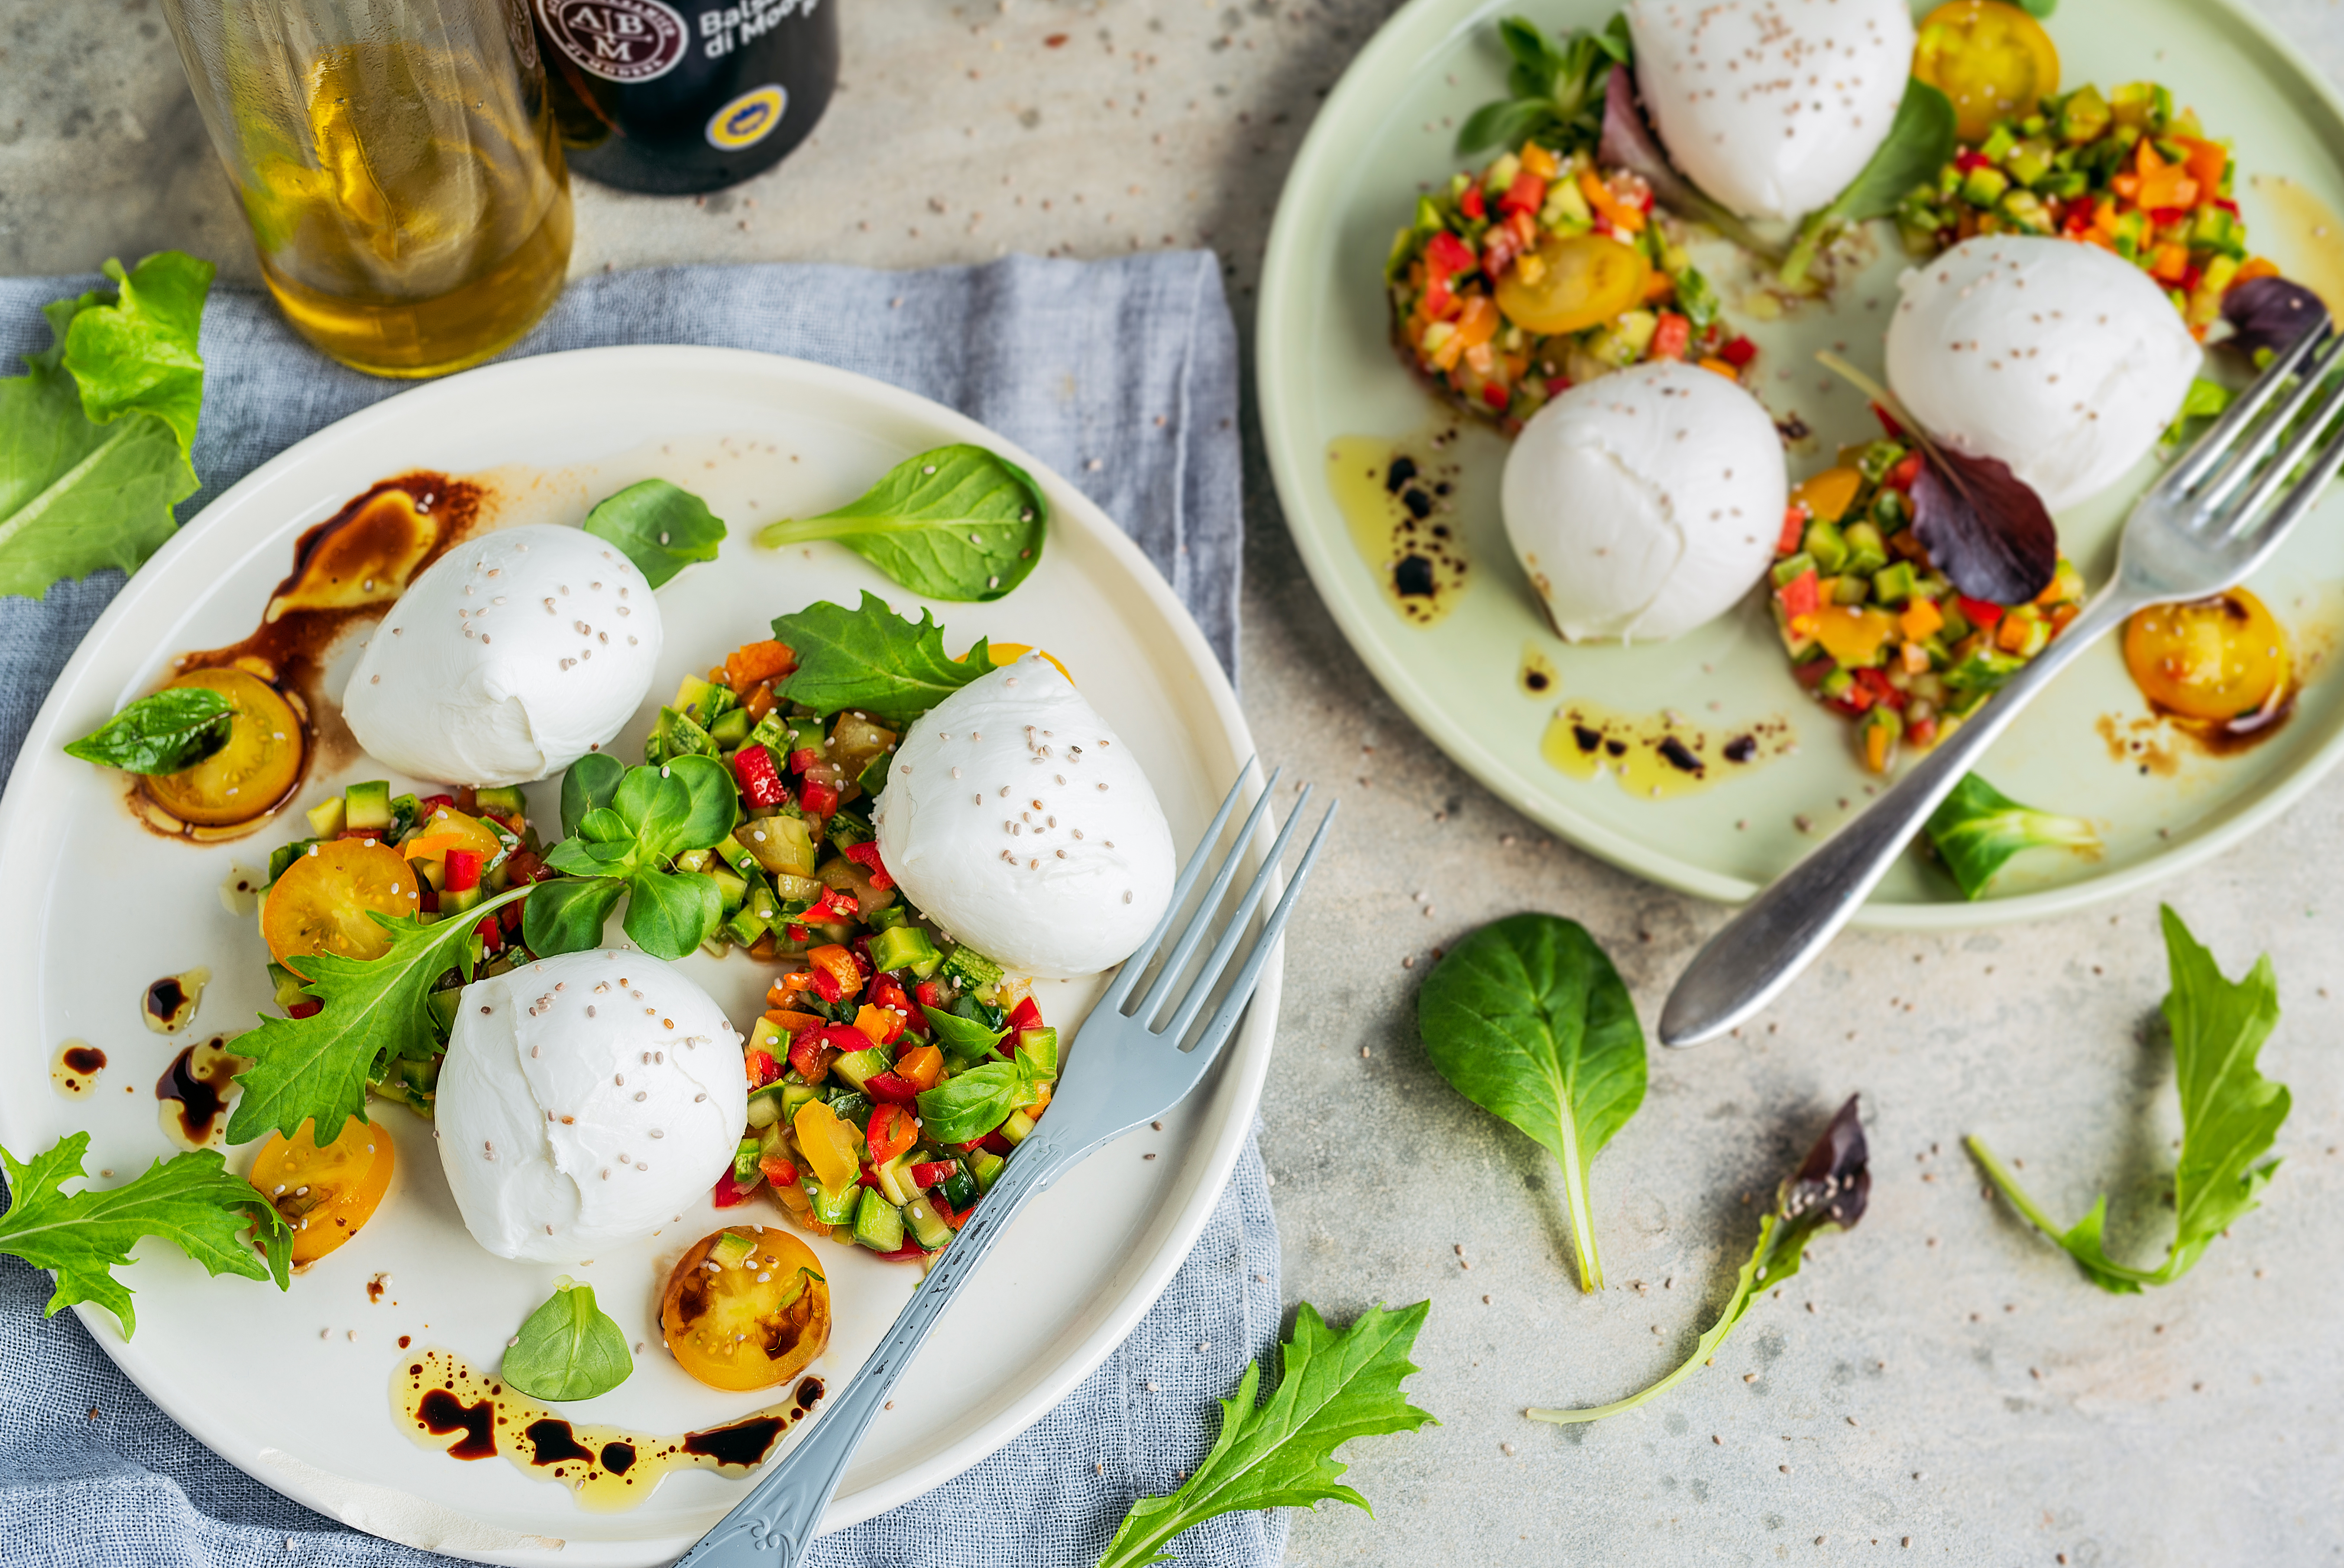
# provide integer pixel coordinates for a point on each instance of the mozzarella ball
(1646, 502)
(1015, 819)
(586, 1099)
(508, 658)
(2064, 361)
(1772, 107)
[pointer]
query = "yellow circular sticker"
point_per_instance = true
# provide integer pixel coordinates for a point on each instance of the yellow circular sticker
(749, 118)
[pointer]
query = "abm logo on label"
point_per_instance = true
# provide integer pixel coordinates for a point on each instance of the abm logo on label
(617, 40)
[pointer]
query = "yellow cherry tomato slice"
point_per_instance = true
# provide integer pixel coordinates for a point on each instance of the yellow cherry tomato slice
(746, 1308)
(1010, 653)
(2221, 659)
(261, 761)
(1994, 60)
(320, 903)
(1583, 280)
(325, 1194)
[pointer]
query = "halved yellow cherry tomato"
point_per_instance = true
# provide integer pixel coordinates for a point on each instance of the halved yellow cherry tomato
(261, 761)
(325, 1194)
(431, 839)
(1010, 653)
(1994, 60)
(1583, 280)
(2222, 658)
(1829, 494)
(320, 903)
(746, 1308)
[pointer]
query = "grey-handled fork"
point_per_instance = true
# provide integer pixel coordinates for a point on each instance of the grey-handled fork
(2211, 519)
(1121, 1071)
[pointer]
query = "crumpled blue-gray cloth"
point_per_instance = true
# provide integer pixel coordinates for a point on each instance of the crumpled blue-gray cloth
(1077, 362)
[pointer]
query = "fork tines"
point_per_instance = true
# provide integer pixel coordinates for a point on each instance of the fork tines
(2271, 435)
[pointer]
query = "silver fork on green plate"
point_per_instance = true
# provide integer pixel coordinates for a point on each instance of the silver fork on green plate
(2208, 522)
(1123, 1069)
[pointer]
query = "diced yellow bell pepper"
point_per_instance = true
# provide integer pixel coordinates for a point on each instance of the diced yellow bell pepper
(1829, 494)
(1854, 635)
(827, 1143)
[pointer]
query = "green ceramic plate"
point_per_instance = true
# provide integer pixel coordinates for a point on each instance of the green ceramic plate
(1327, 371)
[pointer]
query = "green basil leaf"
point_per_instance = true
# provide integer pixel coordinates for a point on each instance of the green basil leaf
(661, 528)
(966, 1106)
(566, 915)
(590, 782)
(958, 522)
(1527, 1018)
(962, 1040)
(872, 659)
(569, 1349)
(165, 731)
(671, 912)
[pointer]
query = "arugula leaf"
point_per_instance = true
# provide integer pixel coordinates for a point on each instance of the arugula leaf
(1527, 1018)
(1331, 1387)
(962, 1039)
(1977, 828)
(872, 659)
(161, 733)
(968, 1105)
(569, 1349)
(2230, 1116)
(190, 1201)
(375, 1010)
(958, 522)
(1827, 1192)
(94, 437)
(1555, 94)
(1919, 139)
(662, 527)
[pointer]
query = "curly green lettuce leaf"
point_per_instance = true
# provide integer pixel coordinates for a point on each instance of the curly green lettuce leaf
(95, 437)
(661, 528)
(164, 731)
(958, 522)
(1827, 1192)
(1527, 1018)
(1976, 829)
(2230, 1117)
(872, 659)
(191, 1201)
(569, 1349)
(1332, 1386)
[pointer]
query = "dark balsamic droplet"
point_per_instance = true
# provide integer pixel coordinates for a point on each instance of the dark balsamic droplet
(1588, 739)
(1412, 578)
(1402, 471)
(443, 1412)
(1680, 756)
(1419, 504)
(555, 1442)
(618, 1458)
(1741, 748)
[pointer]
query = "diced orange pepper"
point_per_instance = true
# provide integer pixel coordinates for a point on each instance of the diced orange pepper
(2166, 263)
(880, 1025)
(1877, 740)
(1658, 287)
(839, 964)
(1478, 322)
(2063, 616)
(2010, 633)
(759, 702)
(1922, 617)
(2258, 266)
(785, 989)
(1915, 658)
(2206, 164)
(920, 1067)
(1619, 214)
(755, 661)
(1540, 161)
(1721, 368)
(790, 1021)
(1829, 494)
(2126, 185)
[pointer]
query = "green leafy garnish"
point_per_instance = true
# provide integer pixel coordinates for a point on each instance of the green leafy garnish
(190, 1201)
(661, 528)
(1920, 140)
(958, 522)
(968, 1105)
(1977, 828)
(1529, 1020)
(372, 1012)
(94, 437)
(162, 732)
(962, 1039)
(872, 659)
(569, 1349)
(1553, 93)
(2230, 1116)
(1331, 1387)
(1827, 1192)
(626, 826)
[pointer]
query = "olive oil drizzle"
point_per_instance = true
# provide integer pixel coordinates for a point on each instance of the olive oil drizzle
(1658, 756)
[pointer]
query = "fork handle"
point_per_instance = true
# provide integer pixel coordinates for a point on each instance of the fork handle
(1774, 936)
(774, 1525)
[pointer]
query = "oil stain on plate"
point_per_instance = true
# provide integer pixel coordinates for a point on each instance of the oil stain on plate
(1399, 497)
(1662, 756)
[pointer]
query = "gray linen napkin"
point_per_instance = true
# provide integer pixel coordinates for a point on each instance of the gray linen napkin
(1076, 362)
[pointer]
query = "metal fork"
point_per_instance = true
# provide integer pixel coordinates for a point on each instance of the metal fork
(1120, 1072)
(2206, 523)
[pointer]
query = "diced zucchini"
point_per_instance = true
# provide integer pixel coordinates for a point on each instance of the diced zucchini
(874, 778)
(505, 800)
(904, 947)
(1018, 1126)
(793, 1097)
(284, 855)
(970, 966)
(1042, 1045)
(730, 887)
(1791, 568)
(895, 1178)
(859, 1067)
(459, 901)
(746, 925)
(732, 1250)
(676, 734)
(730, 730)
(878, 1224)
(744, 1162)
(832, 1208)
(773, 733)
(404, 810)
(927, 1227)
(959, 1189)
(985, 1165)
(768, 1106)
(326, 816)
(1866, 551)
(783, 846)
(1893, 584)
(888, 917)
(852, 1106)
(1826, 544)
(367, 806)
(443, 1009)
(849, 825)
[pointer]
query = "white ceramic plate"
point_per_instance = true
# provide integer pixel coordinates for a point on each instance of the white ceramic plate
(1326, 369)
(276, 1383)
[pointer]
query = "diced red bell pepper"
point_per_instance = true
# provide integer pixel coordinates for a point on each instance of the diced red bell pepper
(819, 798)
(1472, 204)
(730, 1194)
(890, 1133)
(1672, 338)
(996, 1143)
(890, 1088)
(431, 803)
(1978, 612)
(1527, 194)
(763, 1068)
(365, 835)
(1883, 690)
(866, 856)
(802, 758)
(492, 934)
(778, 1171)
(886, 992)
(812, 1055)
(1794, 530)
(930, 993)
(1888, 422)
(1921, 731)
(1803, 595)
(835, 905)
(1737, 351)
(909, 1252)
(1968, 158)
(1811, 674)
(1908, 470)
(304, 1007)
(804, 934)
(761, 782)
(1026, 1015)
(928, 1172)
(1446, 255)
(1495, 394)
(460, 870)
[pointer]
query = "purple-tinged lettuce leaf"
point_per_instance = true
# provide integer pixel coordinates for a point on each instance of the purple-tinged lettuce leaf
(1983, 527)
(1629, 142)
(2270, 313)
